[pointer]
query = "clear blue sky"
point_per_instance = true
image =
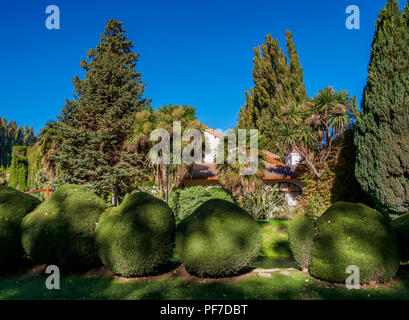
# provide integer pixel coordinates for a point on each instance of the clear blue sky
(191, 52)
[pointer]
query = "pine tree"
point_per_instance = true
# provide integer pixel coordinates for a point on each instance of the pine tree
(382, 136)
(95, 125)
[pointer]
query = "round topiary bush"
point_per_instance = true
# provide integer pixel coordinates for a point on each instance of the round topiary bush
(184, 201)
(353, 234)
(300, 235)
(61, 230)
(218, 239)
(401, 228)
(138, 237)
(14, 205)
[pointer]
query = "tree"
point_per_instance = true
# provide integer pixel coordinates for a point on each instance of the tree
(19, 168)
(95, 125)
(277, 83)
(147, 121)
(311, 128)
(382, 136)
(231, 171)
(11, 135)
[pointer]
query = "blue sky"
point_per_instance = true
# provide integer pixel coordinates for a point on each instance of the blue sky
(191, 52)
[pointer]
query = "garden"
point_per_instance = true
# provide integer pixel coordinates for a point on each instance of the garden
(138, 250)
(89, 212)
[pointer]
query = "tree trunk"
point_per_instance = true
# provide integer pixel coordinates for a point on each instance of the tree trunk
(114, 198)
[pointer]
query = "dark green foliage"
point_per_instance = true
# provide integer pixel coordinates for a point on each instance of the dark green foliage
(19, 168)
(148, 120)
(14, 205)
(61, 230)
(382, 136)
(300, 235)
(90, 137)
(218, 239)
(138, 237)
(354, 234)
(184, 201)
(345, 186)
(10, 136)
(401, 228)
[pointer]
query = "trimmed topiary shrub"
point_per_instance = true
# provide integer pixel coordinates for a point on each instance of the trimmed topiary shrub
(401, 228)
(138, 237)
(218, 239)
(14, 205)
(184, 201)
(61, 230)
(300, 236)
(353, 234)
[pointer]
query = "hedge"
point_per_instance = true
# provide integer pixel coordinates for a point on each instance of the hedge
(61, 230)
(218, 240)
(353, 234)
(14, 205)
(137, 238)
(300, 237)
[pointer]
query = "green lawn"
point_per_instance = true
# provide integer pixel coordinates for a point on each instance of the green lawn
(286, 282)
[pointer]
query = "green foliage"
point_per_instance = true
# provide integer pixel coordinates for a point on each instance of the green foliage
(354, 234)
(89, 139)
(3, 176)
(14, 205)
(264, 203)
(345, 187)
(218, 239)
(401, 228)
(148, 120)
(184, 201)
(61, 230)
(138, 237)
(382, 136)
(316, 196)
(300, 236)
(10, 136)
(19, 168)
(276, 84)
(275, 242)
(38, 176)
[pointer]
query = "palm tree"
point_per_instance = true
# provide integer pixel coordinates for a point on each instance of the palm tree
(147, 121)
(230, 174)
(312, 127)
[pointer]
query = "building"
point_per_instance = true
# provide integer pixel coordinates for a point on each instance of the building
(275, 173)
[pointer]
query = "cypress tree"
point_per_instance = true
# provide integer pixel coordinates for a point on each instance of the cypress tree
(297, 77)
(382, 135)
(19, 168)
(247, 115)
(277, 83)
(11, 135)
(95, 125)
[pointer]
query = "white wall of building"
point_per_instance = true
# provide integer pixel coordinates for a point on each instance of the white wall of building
(211, 142)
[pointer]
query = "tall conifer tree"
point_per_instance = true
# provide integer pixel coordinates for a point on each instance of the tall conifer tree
(277, 83)
(382, 136)
(95, 125)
